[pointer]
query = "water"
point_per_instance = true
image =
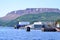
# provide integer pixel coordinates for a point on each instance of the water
(9, 33)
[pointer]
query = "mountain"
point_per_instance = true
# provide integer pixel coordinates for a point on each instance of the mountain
(15, 14)
(10, 16)
(46, 16)
(31, 15)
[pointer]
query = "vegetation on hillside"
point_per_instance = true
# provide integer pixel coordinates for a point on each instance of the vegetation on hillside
(47, 16)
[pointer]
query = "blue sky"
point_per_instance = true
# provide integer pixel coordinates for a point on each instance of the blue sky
(12, 5)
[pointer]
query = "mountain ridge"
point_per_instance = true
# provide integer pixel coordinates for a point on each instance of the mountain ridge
(15, 14)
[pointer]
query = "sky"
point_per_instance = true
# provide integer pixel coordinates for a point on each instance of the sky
(7, 6)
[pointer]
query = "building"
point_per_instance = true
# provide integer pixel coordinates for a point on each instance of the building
(22, 24)
(57, 24)
(37, 25)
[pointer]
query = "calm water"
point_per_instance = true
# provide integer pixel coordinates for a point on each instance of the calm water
(7, 33)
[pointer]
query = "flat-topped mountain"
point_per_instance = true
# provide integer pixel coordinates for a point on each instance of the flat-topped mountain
(31, 15)
(15, 14)
(35, 10)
